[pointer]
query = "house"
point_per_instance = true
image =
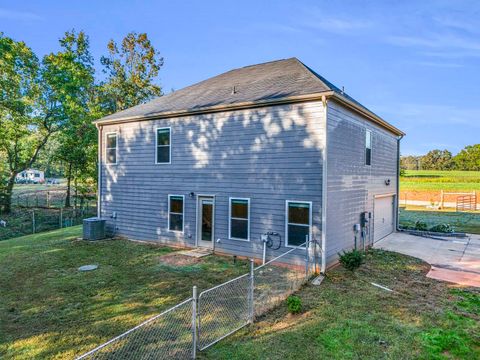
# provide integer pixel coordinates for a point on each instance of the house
(272, 148)
(31, 176)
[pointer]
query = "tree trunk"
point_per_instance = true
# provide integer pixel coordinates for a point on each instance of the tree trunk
(69, 182)
(9, 192)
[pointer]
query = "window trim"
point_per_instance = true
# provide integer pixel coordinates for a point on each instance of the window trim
(230, 237)
(367, 131)
(170, 145)
(183, 214)
(310, 204)
(107, 148)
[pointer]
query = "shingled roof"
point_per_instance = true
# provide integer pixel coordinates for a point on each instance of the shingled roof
(255, 84)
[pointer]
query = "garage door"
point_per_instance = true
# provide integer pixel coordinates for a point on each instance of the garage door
(383, 220)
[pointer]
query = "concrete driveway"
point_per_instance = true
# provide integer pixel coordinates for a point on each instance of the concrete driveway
(455, 260)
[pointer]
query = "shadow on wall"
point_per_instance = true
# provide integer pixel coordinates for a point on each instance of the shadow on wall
(270, 154)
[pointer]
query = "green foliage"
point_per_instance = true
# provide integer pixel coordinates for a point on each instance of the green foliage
(468, 158)
(437, 160)
(442, 228)
(132, 69)
(294, 304)
(420, 225)
(351, 260)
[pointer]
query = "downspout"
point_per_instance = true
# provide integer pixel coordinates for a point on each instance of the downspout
(397, 226)
(324, 190)
(99, 184)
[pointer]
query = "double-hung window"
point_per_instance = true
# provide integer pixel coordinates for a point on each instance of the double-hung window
(239, 219)
(176, 210)
(368, 147)
(299, 222)
(162, 142)
(111, 148)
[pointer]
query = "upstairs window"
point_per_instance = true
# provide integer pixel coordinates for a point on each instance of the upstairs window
(163, 155)
(176, 210)
(239, 224)
(368, 147)
(299, 221)
(111, 148)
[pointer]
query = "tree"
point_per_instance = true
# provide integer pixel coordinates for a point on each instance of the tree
(29, 114)
(132, 70)
(410, 162)
(468, 158)
(437, 160)
(71, 71)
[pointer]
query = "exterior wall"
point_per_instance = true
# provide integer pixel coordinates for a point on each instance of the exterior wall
(351, 184)
(269, 154)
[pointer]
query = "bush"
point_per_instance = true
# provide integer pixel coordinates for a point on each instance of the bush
(351, 260)
(294, 304)
(442, 228)
(421, 225)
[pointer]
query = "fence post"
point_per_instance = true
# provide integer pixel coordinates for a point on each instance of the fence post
(194, 323)
(61, 217)
(33, 221)
(48, 199)
(251, 292)
(307, 255)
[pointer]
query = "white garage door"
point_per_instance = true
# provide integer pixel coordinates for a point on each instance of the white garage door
(383, 221)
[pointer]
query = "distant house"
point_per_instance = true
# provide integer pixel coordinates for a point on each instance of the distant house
(268, 148)
(31, 176)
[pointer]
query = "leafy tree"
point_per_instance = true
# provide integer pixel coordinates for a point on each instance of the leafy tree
(73, 67)
(29, 112)
(437, 160)
(132, 69)
(410, 162)
(468, 158)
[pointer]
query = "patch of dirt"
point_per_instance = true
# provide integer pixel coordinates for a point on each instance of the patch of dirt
(178, 260)
(430, 196)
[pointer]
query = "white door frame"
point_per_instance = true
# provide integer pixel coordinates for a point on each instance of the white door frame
(198, 226)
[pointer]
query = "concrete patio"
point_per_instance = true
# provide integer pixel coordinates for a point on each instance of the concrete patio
(455, 260)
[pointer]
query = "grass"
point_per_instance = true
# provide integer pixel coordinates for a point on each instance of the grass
(461, 221)
(48, 309)
(433, 180)
(348, 318)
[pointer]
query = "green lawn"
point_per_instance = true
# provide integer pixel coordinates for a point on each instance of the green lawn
(48, 309)
(424, 180)
(348, 318)
(461, 221)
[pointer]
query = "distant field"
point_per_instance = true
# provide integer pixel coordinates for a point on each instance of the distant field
(425, 180)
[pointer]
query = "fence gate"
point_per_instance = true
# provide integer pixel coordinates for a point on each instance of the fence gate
(467, 202)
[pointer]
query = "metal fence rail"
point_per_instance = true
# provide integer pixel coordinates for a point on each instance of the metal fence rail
(200, 322)
(167, 335)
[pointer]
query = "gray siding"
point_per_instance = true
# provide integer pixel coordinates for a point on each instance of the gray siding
(269, 154)
(351, 184)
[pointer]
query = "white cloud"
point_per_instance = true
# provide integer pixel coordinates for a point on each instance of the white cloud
(18, 15)
(338, 25)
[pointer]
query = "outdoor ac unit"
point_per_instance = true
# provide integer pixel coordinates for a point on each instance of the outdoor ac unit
(93, 229)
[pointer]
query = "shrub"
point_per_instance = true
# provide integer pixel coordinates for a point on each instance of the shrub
(294, 304)
(351, 260)
(442, 228)
(421, 225)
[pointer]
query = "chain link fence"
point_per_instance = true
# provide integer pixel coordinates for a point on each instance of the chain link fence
(168, 335)
(31, 221)
(200, 322)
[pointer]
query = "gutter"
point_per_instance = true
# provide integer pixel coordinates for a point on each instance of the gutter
(324, 192)
(99, 165)
(397, 226)
(256, 104)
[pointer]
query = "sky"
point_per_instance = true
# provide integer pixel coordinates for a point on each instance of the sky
(414, 63)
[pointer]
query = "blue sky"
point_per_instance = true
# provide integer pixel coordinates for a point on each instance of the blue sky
(415, 63)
